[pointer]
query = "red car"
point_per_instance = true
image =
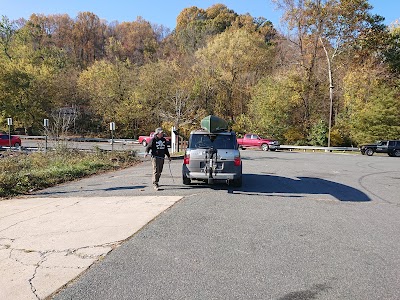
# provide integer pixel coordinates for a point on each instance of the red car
(145, 139)
(5, 141)
(254, 140)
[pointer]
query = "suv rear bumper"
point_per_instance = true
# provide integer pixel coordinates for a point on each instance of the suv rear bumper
(215, 176)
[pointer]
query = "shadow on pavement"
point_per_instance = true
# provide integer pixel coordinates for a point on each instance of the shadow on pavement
(269, 184)
(109, 189)
(261, 184)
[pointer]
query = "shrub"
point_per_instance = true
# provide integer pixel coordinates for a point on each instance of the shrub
(21, 173)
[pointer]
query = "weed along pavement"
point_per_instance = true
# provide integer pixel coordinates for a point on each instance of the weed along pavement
(302, 226)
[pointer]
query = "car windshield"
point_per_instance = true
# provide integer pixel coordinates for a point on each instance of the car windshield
(218, 141)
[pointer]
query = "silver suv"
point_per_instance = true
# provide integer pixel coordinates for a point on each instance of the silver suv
(212, 157)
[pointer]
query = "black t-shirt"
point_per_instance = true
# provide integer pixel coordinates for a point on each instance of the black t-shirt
(158, 147)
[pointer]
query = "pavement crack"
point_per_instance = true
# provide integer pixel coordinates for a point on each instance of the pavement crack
(95, 256)
(13, 255)
(30, 280)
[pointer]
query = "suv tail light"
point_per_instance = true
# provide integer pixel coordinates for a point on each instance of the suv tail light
(237, 161)
(186, 159)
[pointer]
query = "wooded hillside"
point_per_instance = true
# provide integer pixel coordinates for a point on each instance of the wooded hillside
(332, 78)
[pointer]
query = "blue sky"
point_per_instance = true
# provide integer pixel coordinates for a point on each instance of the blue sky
(162, 12)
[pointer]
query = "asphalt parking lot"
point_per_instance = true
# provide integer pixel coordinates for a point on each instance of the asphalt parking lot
(302, 226)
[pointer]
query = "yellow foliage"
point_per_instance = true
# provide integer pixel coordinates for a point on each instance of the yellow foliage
(292, 135)
(336, 138)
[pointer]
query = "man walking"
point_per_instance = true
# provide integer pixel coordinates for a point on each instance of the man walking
(158, 147)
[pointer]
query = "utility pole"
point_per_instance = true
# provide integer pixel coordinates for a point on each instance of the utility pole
(330, 111)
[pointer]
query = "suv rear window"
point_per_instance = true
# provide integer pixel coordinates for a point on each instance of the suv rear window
(218, 141)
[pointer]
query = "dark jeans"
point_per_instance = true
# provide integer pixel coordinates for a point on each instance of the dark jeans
(158, 164)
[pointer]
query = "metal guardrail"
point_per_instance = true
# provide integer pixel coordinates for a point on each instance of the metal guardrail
(317, 148)
(132, 141)
(80, 139)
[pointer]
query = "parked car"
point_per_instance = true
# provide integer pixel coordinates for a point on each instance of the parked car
(145, 139)
(212, 155)
(391, 147)
(5, 140)
(251, 140)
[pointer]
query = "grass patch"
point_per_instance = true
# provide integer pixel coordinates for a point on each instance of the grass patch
(23, 173)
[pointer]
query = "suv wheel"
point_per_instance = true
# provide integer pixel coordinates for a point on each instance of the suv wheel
(264, 147)
(369, 152)
(396, 153)
(144, 143)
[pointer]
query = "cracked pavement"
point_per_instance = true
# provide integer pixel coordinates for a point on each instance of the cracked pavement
(47, 242)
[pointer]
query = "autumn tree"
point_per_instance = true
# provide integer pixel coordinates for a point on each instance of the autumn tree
(7, 31)
(89, 36)
(372, 106)
(194, 26)
(27, 76)
(299, 50)
(181, 105)
(234, 61)
(258, 25)
(272, 108)
(168, 91)
(26, 94)
(137, 41)
(392, 52)
(110, 90)
(331, 27)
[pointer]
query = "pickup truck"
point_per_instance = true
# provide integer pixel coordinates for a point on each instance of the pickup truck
(391, 147)
(251, 140)
(145, 139)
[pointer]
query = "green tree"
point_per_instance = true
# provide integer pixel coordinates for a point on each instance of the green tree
(333, 28)
(110, 90)
(25, 93)
(319, 134)
(169, 93)
(234, 61)
(195, 25)
(273, 106)
(372, 106)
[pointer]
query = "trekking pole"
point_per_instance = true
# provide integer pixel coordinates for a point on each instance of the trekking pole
(170, 172)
